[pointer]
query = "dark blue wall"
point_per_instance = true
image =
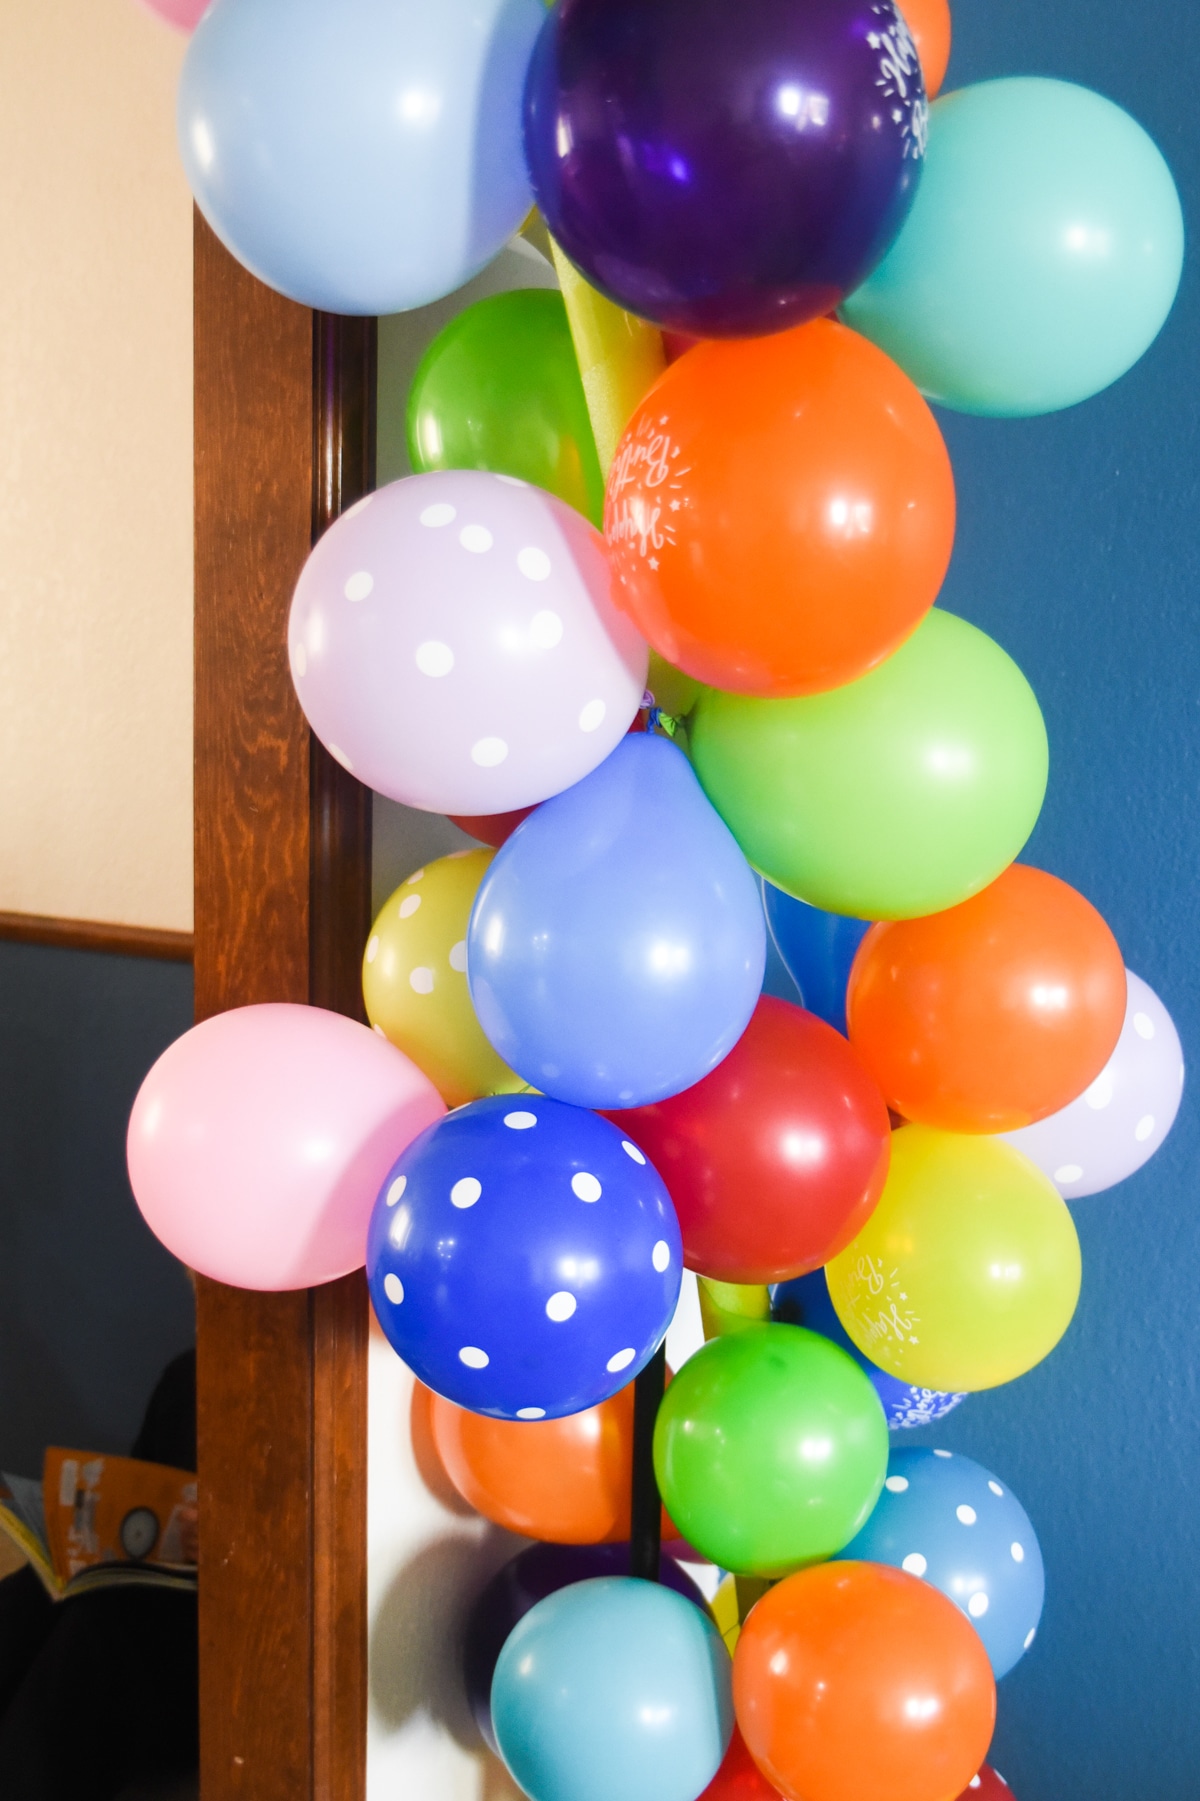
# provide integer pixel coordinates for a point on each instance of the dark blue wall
(1077, 550)
(91, 1306)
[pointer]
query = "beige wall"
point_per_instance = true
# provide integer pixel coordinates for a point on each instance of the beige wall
(95, 467)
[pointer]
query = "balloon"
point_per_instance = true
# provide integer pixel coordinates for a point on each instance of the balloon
(415, 980)
(802, 473)
(613, 1687)
(258, 1139)
(524, 1258)
(186, 14)
(517, 1588)
(853, 1680)
(967, 1272)
(949, 1521)
(499, 389)
(770, 1450)
(789, 1118)
(490, 828)
(739, 1777)
(900, 794)
(929, 23)
(805, 1302)
(454, 645)
(986, 1785)
(994, 1013)
(1041, 257)
(617, 946)
(566, 1481)
(725, 172)
(1119, 1122)
(363, 157)
(817, 949)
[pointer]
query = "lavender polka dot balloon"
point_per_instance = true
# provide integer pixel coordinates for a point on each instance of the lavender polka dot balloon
(454, 644)
(1118, 1123)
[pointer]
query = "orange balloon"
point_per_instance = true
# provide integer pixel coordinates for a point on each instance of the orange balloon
(929, 22)
(780, 511)
(853, 1680)
(566, 1481)
(994, 1013)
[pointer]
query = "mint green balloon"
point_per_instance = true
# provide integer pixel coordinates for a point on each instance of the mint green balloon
(897, 795)
(1040, 258)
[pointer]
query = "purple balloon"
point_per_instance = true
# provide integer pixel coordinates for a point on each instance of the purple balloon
(725, 169)
(519, 1586)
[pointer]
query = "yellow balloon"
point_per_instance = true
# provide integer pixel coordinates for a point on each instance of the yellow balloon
(967, 1273)
(415, 980)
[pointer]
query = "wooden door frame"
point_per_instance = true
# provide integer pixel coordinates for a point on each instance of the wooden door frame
(284, 438)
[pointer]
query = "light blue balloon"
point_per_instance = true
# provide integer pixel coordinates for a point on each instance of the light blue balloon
(613, 1690)
(361, 156)
(1040, 258)
(948, 1520)
(617, 944)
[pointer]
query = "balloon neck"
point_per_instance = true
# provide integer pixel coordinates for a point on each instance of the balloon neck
(656, 719)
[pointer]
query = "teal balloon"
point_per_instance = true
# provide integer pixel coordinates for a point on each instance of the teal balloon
(613, 1690)
(1040, 258)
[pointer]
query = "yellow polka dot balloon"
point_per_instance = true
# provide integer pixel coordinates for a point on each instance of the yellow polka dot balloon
(415, 980)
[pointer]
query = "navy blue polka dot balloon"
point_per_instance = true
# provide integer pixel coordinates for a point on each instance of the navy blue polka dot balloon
(524, 1258)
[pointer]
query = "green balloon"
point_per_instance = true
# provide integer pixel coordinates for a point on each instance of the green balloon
(499, 388)
(770, 1450)
(897, 795)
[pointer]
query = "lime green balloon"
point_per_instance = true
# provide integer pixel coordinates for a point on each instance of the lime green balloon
(898, 795)
(967, 1273)
(1041, 255)
(499, 388)
(770, 1450)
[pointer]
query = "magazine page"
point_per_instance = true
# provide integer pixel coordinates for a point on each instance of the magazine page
(23, 1519)
(116, 1511)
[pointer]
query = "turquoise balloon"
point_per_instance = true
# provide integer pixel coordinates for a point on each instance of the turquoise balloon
(1040, 258)
(613, 1690)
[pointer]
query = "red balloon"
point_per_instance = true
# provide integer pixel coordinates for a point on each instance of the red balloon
(490, 828)
(739, 1777)
(987, 1786)
(776, 1159)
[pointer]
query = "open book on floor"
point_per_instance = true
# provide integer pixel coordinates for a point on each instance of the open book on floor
(102, 1522)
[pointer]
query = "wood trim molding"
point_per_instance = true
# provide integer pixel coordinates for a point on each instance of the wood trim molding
(96, 935)
(283, 441)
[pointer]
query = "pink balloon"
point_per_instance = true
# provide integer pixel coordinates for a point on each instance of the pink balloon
(186, 14)
(454, 643)
(1117, 1123)
(259, 1140)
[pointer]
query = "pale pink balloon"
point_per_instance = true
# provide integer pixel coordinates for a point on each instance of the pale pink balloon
(186, 14)
(259, 1140)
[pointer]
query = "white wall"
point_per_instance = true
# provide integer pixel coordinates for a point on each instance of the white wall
(95, 468)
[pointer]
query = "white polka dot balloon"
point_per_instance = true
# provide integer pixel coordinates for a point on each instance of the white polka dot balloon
(454, 644)
(1118, 1123)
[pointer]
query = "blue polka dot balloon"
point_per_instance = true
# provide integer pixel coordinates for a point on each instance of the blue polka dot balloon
(524, 1258)
(804, 1301)
(949, 1520)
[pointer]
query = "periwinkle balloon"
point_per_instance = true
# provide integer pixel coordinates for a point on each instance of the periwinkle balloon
(454, 644)
(805, 1302)
(948, 1520)
(617, 945)
(1041, 257)
(613, 1687)
(532, 1575)
(726, 171)
(1121, 1118)
(364, 156)
(524, 1260)
(817, 950)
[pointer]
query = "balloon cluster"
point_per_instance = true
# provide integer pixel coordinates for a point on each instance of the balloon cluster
(869, 1186)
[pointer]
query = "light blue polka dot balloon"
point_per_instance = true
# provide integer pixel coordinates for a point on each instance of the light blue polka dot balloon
(524, 1258)
(363, 156)
(613, 1690)
(948, 1520)
(1040, 258)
